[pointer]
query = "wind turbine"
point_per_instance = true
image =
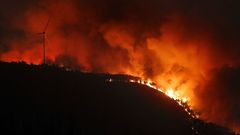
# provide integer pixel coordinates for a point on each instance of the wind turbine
(43, 34)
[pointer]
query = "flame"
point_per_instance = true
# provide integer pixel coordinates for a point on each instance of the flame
(169, 70)
(171, 93)
(170, 52)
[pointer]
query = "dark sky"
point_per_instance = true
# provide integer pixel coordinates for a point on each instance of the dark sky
(114, 35)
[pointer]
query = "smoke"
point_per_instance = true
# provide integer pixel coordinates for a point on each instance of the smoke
(191, 46)
(221, 92)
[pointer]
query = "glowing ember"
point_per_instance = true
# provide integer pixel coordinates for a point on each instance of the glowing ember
(184, 100)
(171, 93)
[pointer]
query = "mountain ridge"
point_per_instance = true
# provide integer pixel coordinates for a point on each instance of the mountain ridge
(43, 99)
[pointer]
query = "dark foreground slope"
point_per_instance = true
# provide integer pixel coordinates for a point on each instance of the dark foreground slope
(48, 100)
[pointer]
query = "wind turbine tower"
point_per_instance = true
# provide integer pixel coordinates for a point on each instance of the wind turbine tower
(43, 34)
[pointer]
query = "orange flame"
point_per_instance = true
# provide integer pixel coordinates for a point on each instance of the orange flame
(173, 94)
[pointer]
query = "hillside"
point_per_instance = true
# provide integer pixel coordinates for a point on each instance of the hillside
(50, 100)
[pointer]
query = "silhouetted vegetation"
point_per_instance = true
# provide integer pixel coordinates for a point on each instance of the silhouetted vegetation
(48, 100)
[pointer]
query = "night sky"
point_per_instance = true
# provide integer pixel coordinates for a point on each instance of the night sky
(190, 45)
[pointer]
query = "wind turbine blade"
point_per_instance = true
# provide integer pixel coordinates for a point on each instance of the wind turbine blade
(46, 26)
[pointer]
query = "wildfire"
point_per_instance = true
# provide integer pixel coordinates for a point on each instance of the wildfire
(170, 92)
(181, 52)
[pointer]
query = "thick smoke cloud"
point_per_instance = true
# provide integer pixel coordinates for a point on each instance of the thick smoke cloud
(221, 92)
(189, 45)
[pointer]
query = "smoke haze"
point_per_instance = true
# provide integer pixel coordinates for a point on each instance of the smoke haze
(189, 45)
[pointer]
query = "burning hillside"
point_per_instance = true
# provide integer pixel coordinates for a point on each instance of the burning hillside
(189, 49)
(69, 102)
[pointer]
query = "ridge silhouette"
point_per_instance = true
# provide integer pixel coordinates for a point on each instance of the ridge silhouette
(72, 102)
